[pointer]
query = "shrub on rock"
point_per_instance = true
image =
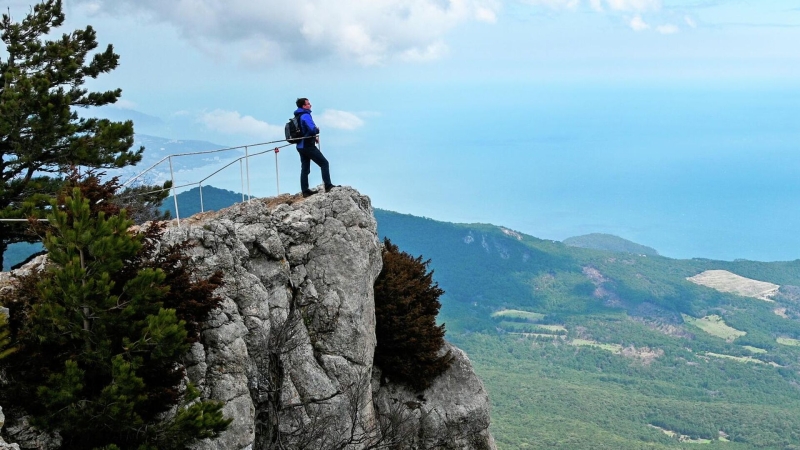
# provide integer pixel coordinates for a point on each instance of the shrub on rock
(406, 304)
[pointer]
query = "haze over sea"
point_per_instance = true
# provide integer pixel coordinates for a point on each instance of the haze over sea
(691, 170)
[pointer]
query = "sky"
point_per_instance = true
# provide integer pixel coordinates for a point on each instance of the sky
(671, 123)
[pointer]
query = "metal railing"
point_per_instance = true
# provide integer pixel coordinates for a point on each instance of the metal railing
(244, 168)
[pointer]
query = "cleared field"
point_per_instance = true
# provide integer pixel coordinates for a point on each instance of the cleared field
(789, 341)
(725, 281)
(715, 326)
(517, 314)
(755, 349)
(613, 348)
(744, 359)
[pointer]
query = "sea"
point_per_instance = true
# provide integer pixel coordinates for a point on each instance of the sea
(694, 171)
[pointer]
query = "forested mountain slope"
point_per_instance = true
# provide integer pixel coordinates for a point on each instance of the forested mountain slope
(586, 348)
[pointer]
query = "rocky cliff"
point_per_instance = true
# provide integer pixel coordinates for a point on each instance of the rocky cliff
(290, 351)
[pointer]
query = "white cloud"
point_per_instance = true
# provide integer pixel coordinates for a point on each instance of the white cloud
(689, 21)
(634, 5)
(556, 4)
(367, 31)
(433, 51)
(667, 29)
(483, 14)
(637, 24)
(342, 120)
(601, 5)
(231, 122)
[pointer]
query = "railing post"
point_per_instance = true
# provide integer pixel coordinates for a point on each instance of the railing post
(174, 195)
(201, 198)
(277, 173)
(247, 165)
(241, 176)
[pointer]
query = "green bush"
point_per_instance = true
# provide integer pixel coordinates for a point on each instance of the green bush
(406, 304)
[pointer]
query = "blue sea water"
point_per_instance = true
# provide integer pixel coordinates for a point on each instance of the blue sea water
(693, 171)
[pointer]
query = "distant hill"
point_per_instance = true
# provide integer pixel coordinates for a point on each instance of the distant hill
(189, 201)
(601, 241)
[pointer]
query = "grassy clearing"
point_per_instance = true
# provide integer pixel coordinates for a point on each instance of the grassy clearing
(517, 314)
(613, 348)
(554, 328)
(526, 327)
(669, 433)
(715, 326)
(755, 349)
(789, 341)
(746, 359)
(696, 441)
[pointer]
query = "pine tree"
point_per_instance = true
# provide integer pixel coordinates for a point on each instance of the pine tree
(142, 204)
(100, 340)
(41, 135)
(406, 305)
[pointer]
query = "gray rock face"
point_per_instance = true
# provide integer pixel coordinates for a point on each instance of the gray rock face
(3, 444)
(290, 351)
(452, 413)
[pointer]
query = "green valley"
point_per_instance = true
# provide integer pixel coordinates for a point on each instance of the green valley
(595, 349)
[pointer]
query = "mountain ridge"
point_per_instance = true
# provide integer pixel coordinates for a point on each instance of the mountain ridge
(610, 242)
